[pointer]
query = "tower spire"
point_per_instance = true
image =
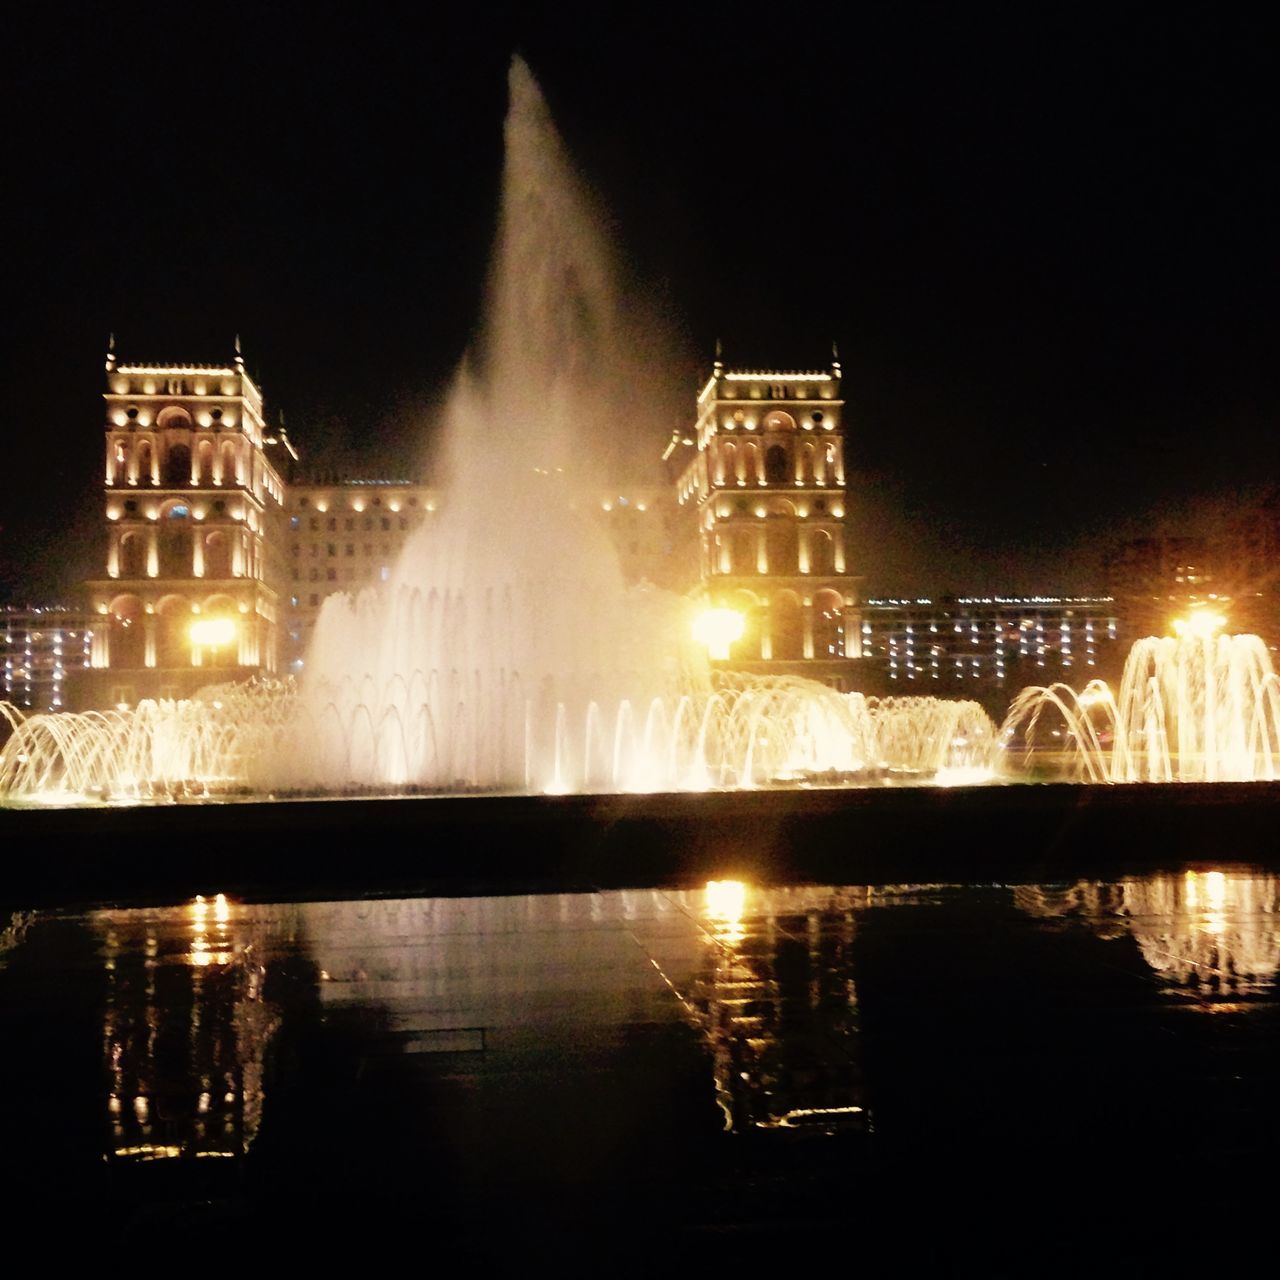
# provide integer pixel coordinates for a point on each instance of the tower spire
(719, 361)
(239, 354)
(835, 358)
(111, 352)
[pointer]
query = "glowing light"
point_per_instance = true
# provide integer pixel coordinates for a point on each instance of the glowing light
(1202, 624)
(717, 629)
(726, 901)
(213, 633)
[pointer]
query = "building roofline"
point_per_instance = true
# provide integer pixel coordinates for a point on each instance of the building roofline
(775, 375)
(219, 370)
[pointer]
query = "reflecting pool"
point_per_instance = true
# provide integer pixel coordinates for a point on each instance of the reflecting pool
(708, 1063)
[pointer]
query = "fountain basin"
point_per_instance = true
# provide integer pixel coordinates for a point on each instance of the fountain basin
(517, 843)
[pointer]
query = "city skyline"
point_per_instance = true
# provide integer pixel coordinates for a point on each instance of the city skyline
(1045, 253)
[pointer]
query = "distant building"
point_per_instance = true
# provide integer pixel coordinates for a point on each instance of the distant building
(1156, 578)
(221, 549)
(948, 647)
(1235, 570)
(763, 472)
(651, 535)
(41, 651)
(342, 535)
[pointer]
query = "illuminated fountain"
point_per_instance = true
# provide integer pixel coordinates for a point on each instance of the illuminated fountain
(1198, 707)
(263, 739)
(506, 652)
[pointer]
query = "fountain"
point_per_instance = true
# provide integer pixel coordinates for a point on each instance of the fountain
(1200, 707)
(506, 653)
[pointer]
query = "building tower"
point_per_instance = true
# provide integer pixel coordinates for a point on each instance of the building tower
(192, 499)
(767, 482)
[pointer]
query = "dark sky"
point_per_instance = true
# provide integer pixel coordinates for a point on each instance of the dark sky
(1045, 238)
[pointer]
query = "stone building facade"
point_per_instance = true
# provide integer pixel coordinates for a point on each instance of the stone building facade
(763, 472)
(192, 497)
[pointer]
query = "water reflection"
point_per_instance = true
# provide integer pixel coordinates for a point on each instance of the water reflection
(1213, 934)
(777, 1000)
(185, 1029)
(16, 924)
(580, 1040)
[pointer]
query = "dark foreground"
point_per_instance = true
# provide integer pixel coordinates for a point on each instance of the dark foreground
(485, 844)
(945, 1024)
(653, 1074)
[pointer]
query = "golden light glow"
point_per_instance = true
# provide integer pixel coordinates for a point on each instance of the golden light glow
(1206, 895)
(726, 900)
(213, 633)
(1199, 624)
(717, 629)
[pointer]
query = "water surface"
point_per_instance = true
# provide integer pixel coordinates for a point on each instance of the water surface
(711, 1063)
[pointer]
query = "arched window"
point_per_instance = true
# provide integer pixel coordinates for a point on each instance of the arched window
(133, 555)
(743, 551)
(780, 544)
(787, 627)
(828, 634)
(808, 455)
(177, 466)
(777, 465)
(175, 542)
(142, 461)
(821, 552)
(728, 462)
(173, 633)
(217, 555)
(127, 641)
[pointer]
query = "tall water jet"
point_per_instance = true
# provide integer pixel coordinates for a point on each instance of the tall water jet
(505, 647)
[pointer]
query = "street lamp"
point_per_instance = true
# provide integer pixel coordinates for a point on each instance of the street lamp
(718, 629)
(1199, 624)
(213, 633)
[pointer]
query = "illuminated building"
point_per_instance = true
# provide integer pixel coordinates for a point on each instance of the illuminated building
(206, 520)
(763, 471)
(342, 535)
(192, 497)
(41, 650)
(944, 646)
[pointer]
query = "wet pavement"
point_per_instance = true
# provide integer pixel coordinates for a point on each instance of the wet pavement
(718, 1065)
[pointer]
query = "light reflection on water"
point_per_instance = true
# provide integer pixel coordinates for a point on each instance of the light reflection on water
(763, 984)
(1213, 934)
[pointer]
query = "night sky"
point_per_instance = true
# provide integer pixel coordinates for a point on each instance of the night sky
(1045, 239)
